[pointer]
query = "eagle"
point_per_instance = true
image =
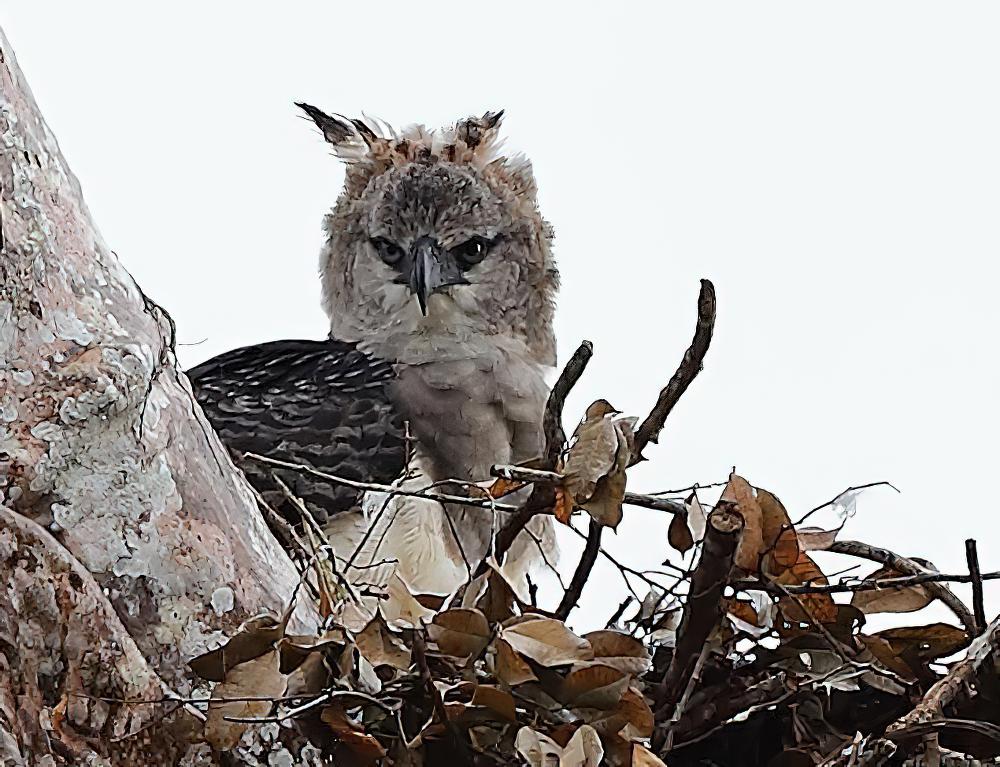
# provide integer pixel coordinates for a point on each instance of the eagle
(439, 284)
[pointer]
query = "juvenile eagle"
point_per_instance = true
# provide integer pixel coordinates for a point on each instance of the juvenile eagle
(439, 283)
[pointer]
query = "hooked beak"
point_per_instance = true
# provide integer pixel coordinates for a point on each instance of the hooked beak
(431, 269)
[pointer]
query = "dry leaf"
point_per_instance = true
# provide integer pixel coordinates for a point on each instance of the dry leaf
(599, 687)
(461, 632)
(258, 678)
(679, 535)
(497, 700)
(821, 607)
(620, 651)
(696, 517)
(936, 640)
(547, 641)
(595, 464)
(583, 750)
(537, 749)
(364, 749)
(891, 600)
(632, 717)
(781, 544)
(509, 667)
(816, 538)
(255, 637)
(751, 545)
(643, 757)
(381, 647)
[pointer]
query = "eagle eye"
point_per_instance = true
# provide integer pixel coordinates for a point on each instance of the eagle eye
(471, 252)
(388, 251)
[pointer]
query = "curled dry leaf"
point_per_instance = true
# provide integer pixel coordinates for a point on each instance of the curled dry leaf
(619, 651)
(805, 608)
(498, 701)
(594, 687)
(509, 667)
(255, 678)
(751, 545)
(632, 717)
(643, 757)
(595, 464)
(363, 749)
(255, 637)
(461, 632)
(781, 544)
(679, 534)
(583, 750)
(816, 538)
(696, 517)
(537, 749)
(547, 642)
(381, 647)
(891, 600)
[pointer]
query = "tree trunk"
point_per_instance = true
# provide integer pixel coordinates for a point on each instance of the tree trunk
(128, 541)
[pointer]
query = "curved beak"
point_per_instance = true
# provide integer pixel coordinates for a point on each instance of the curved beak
(431, 269)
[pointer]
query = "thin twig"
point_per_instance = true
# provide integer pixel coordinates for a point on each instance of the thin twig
(689, 368)
(646, 501)
(872, 584)
(907, 567)
(978, 607)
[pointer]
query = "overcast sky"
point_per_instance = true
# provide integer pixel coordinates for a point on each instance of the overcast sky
(834, 168)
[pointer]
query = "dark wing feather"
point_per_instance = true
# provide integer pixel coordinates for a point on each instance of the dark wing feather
(324, 404)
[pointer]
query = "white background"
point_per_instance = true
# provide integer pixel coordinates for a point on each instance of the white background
(834, 168)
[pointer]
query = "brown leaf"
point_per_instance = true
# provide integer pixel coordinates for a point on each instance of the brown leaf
(742, 609)
(679, 535)
(502, 486)
(620, 651)
(257, 678)
(891, 600)
(935, 640)
(497, 700)
(547, 641)
(460, 632)
(595, 464)
(594, 687)
(883, 652)
(381, 647)
(781, 545)
(364, 749)
(511, 668)
(821, 607)
(751, 545)
(816, 538)
(255, 637)
(643, 757)
(563, 508)
(632, 717)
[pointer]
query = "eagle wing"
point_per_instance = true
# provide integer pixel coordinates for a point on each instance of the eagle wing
(321, 404)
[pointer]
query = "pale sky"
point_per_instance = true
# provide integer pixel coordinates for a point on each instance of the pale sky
(834, 168)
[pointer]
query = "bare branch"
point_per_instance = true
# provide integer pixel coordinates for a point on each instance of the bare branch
(703, 608)
(582, 573)
(978, 607)
(907, 567)
(689, 368)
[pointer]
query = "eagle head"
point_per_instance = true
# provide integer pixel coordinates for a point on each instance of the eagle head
(436, 233)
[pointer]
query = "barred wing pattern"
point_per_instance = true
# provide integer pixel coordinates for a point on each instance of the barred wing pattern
(324, 404)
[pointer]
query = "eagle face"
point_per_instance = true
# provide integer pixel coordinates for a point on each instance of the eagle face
(437, 235)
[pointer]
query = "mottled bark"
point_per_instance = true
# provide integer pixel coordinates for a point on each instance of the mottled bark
(128, 542)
